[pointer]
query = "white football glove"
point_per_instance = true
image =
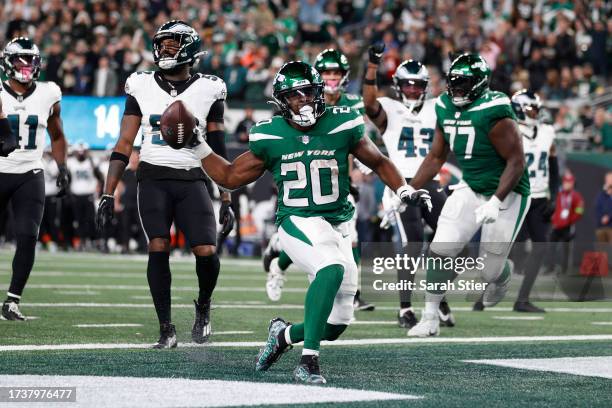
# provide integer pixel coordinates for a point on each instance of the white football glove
(488, 212)
(392, 202)
(417, 198)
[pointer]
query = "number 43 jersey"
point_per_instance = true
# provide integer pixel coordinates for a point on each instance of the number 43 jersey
(408, 136)
(310, 168)
(28, 115)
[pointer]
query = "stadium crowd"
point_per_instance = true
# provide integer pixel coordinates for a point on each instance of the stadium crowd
(561, 49)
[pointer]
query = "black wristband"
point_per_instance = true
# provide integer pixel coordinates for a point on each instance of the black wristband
(216, 141)
(367, 81)
(120, 156)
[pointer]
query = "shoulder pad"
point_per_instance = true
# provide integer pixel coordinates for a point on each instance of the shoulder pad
(215, 85)
(135, 80)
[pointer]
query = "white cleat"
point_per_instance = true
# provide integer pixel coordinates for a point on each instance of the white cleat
(495, 291)
(275, 282)
(429, 325)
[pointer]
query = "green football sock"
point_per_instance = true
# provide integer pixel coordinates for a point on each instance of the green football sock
(319, 303)
(331, 332)
(357, 254)
(284, 261)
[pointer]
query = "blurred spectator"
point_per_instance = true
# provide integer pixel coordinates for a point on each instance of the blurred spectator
(242, 130)
(602, 129)
(235, 79)
(569, 209)
(603, 211)
(311, 18)
(105, 79)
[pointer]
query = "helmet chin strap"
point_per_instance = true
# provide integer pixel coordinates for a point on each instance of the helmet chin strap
(305, 117)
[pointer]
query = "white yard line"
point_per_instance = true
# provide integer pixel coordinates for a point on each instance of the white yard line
(583, 366)
(108, 325)
(602, 323)
(356, 342)
(518, 317)
(509, 309)
(145, 287)
(136, 392)
(280, 306)
(374, 322)
(177, 306)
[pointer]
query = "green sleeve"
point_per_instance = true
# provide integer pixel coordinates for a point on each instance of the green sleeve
(356, 134)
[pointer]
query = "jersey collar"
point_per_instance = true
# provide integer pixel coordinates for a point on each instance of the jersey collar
(174, 88)
(17, 96)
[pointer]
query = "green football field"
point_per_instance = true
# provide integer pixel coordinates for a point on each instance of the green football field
(92, 319)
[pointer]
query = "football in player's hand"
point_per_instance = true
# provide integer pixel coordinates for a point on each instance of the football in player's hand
(177, 125)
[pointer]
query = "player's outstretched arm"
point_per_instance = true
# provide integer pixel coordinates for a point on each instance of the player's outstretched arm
(122, 151)
(433, 161)
(366, 152)
(373, 108)
(506, 140)
(245, 169)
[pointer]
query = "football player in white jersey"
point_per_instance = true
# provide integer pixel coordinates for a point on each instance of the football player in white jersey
(85, 178)
(32, 108)
(407, 124)
(541, 162)
(171, 183)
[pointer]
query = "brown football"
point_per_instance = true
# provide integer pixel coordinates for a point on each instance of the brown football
(176, 125)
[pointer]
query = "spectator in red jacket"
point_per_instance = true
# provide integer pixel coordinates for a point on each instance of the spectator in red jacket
(568, 211)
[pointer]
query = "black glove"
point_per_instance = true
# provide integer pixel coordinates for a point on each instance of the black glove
(548, 211)
(417, 198)
(375, 52)
(8, 144)
(63, 180)
(106, 211)
(226, 218)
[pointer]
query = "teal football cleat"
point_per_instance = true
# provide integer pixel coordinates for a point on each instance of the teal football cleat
(308, 371)
(275, 347)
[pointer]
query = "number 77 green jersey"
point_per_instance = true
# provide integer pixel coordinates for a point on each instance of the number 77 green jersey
(466, 130)
(310, 168)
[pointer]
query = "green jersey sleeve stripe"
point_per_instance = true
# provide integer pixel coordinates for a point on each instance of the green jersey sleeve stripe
(440, 103)
(254, 137)
(351, 124)
(490, 104)
(358, 105)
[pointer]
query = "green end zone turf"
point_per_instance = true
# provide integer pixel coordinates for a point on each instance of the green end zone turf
(68, 290)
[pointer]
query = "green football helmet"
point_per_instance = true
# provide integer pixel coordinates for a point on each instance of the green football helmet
(333, 59)
(188, 40)
(467, 79)
(21, 60)
(297, 79)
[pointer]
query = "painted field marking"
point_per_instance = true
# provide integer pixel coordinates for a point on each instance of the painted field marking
(233, 332)
(355, 342)
(145, 287)
(177, 306)
(77, 292)
(253, 305)
(602, 323)
(133, 275)
(509, 309)
(93, 391)
(374, 322)
(584, 366)
(518, 317)
(108, 325)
